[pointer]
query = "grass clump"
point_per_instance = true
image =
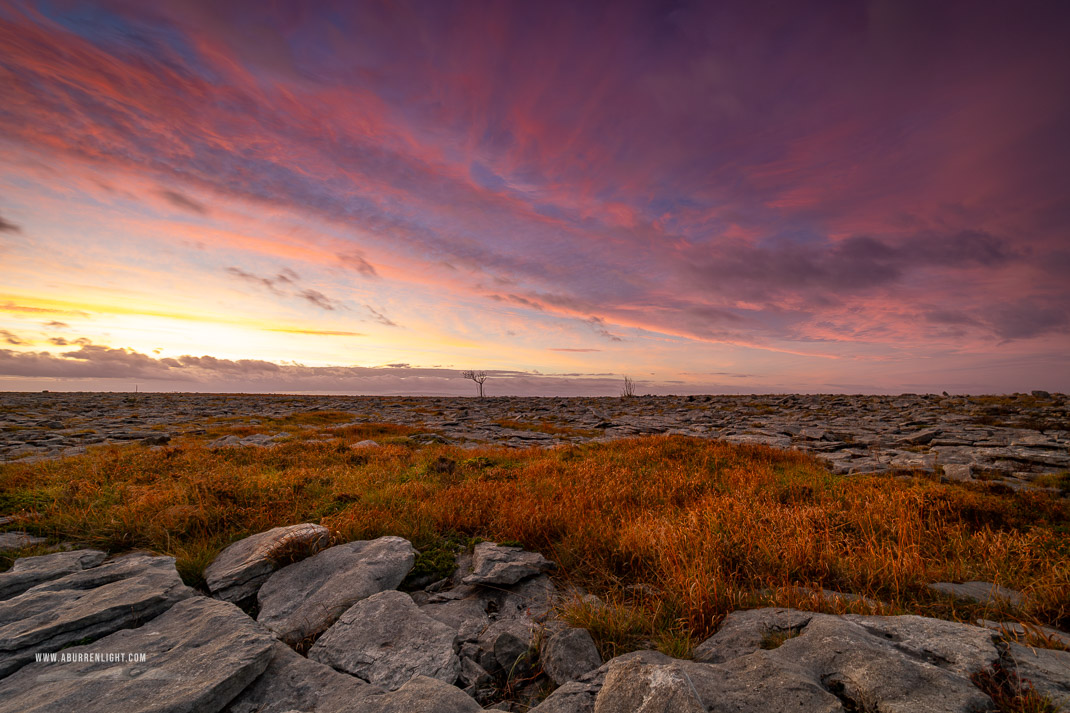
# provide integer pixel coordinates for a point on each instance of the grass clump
(705, 527)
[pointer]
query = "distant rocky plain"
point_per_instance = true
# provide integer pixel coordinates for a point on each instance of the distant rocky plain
(292, 621)
(1013, 437)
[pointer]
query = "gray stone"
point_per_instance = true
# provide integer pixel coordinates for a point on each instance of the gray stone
(123, 593)
(303, 599)
(905, 664)
(920, 438)
(421, 695)
(958, 471)
(238, 572)
(958, 648)
(742, 632)
(28, 572)
(983, 592)
(1047, 670)
(579, 696)
(636, 687)
(496, 565)
(198, 656)
(569, 654)
(292, 682)
(386, 640)
(17, 539)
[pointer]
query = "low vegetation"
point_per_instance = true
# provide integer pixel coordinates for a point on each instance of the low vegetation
(670, 533)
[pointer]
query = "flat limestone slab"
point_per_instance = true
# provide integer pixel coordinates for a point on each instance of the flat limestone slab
(198, 656)
(238, 572)
(120, 594)
(28, 572)
(305, 598)
(386, 640)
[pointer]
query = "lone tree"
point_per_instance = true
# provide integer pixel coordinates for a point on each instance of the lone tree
(477, 376)
(628, 390)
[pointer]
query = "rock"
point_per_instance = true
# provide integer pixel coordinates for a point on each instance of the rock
(896, 664)
(919, 438)
(237, 573)
(123, 593)
(17, 539)
(156, 440)
(292, 682)
(743, 632)
(496, 565)
(364, 444)
(958, 648)
(303, 599)
(573, 697)
(958, 471)
(983, 592)
(28, 572)
(1047, 669)
(421, 695)
(636, 687)
(197, 657)
(569, 654)
(386, 640)
(579, 696)
(1040, 394)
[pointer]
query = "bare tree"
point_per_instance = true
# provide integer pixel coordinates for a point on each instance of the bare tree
(628, 390)
(477, 376)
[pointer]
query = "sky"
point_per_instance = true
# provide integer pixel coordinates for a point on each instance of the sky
(370, 197)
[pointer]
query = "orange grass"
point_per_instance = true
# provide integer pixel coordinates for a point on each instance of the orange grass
(706, 527)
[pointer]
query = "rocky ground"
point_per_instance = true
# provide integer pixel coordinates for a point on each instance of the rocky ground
(331, 633)
(1015, 438)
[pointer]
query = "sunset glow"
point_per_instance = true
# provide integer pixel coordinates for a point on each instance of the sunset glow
(370, 197)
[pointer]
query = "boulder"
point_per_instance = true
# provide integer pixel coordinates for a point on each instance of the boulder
(637, 687)
(579, 696)
(496, 565)
(28, 572)
(237, 572)
(386, 640)
(569, 654)
(196, 658)
(292, 682)
(301, 600)
(123, 593)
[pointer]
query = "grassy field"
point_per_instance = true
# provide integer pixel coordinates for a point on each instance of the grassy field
(673, 533)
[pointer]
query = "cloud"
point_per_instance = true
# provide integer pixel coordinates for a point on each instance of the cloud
(285, 277)
(57, 325)
(1029, 317)
(318, 299)
(380, 317)
(598, 324)
(59, 341)
(321, 332)
(286, 284)
(7, 226)
(10, 338)
(180, 200)
(355, 261)
(199, 372)
(567, 349)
